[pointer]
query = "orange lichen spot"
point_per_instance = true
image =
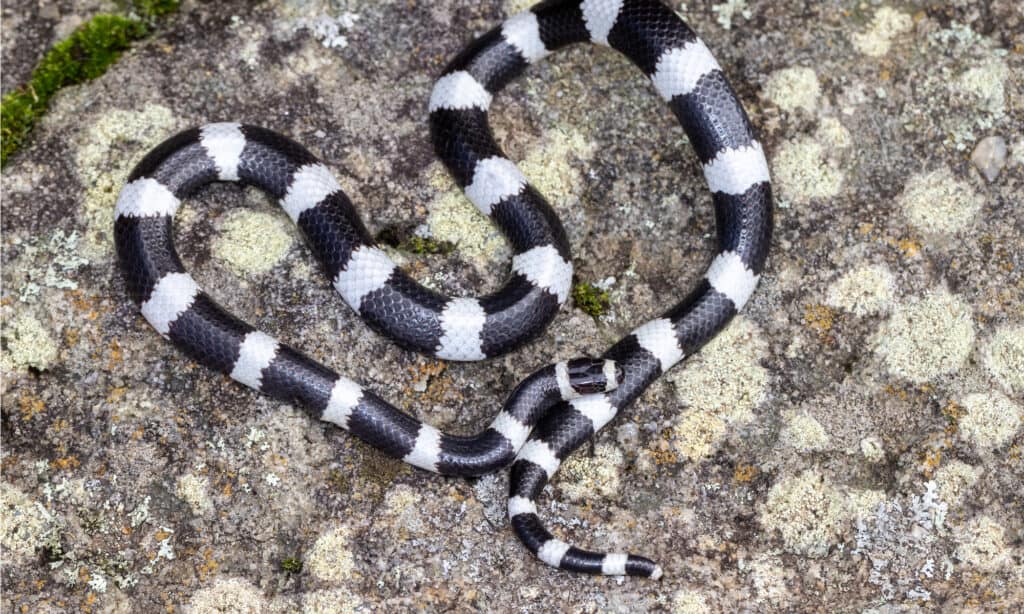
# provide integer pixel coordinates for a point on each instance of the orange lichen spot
(138, 433)
(116, 355)
(664, 457)
(819, 318)
(953, 411)
(30, 406)
(209, 565)
(278, 460)
(930, 461)
(66, 462)
(80, 301)
(431, 384)
(899, 393)
(909, 247)
(744, 473)
(116, 394)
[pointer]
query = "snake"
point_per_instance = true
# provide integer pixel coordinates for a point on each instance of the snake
(560, 406)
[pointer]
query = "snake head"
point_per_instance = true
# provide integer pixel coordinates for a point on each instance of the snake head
(593, 375)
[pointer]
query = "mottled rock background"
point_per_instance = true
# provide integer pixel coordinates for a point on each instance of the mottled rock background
(853, 442)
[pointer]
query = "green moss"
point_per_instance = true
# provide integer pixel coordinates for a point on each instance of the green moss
(591, 299)
(403, 238)
(291, 565)
(427, 245)
(150, 9)
(81, 57)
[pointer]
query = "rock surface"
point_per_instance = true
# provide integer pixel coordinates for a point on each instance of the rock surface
(854, 442)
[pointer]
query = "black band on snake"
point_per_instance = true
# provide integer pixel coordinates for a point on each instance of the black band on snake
(560, 406)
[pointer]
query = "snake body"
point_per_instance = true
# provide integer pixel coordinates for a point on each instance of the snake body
(560, 406)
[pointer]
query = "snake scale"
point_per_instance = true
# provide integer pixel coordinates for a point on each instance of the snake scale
(559, 407)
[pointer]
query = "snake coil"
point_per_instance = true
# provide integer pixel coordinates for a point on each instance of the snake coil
(560, 406)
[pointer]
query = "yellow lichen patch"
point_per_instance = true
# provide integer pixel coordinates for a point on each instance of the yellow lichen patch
(886, 25)
(793, 88)
(804, 172)
(549, 168)
(832, 133)
(927, 337)
(1004, 357)
(819, 318)
(513, 7)
(802, 432)
(582, 474)
(991, 419)
(252, 242)
(28, 344)
(954, 481)
(336, 601)
(770, 580)
(697, 434)
(982, 544)
(103, 166)
(24, 525)
(726, 378)
(330, 559)
(229, 596)
(937, 202)
(453, 218)
(986, 84)
(866, 290)
(401, 511)
(808, 512)
(689, 602)
(864, 503)
(192, 489)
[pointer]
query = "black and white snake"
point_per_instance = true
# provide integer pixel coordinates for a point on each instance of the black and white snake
(557, 408)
